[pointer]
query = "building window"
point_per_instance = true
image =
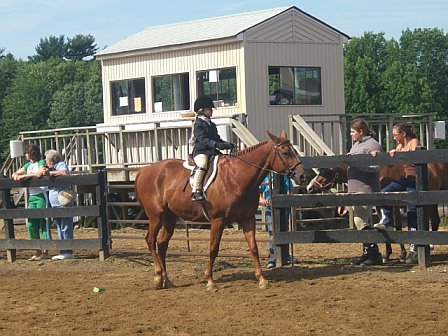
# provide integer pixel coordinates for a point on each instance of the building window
(219, 84)
(294, 86)
(128, 96)
(171, 92)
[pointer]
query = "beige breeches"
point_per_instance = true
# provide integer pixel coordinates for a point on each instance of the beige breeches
(362, 216)
(201, 161)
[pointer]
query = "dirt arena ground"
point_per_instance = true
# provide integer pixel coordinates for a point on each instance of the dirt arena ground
(320, 295)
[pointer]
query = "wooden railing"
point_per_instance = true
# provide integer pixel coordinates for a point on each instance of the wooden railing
(420, 197)
(89, 149)
(330, 134)
(94, 184)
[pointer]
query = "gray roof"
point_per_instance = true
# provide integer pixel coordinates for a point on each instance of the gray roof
(194, 31)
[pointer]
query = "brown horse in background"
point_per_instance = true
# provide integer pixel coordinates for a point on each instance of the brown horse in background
(437, 171)
(165, 194)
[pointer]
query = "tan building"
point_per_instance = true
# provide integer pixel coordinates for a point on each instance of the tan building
(263, 65)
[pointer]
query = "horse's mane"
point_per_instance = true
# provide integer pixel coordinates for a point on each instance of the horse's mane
(249, 149)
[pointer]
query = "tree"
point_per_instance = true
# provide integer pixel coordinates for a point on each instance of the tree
(79, 103)
(26, 106)
(80, 47)
(50, 47)
(427, 49)
(364, 61)
(406, 91)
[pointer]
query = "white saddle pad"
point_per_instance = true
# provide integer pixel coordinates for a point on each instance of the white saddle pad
(210, 178)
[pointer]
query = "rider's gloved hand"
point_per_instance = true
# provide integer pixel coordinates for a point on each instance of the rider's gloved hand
(224, 145)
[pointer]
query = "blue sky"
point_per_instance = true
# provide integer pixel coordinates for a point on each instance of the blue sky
(24, 22)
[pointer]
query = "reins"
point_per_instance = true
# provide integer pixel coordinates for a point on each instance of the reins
(327, 185)
(290, 172)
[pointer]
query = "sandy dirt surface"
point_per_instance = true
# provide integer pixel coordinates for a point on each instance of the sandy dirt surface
(321, 294)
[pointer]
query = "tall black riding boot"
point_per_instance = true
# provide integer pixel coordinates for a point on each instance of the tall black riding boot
(374, 255)
(363, 257)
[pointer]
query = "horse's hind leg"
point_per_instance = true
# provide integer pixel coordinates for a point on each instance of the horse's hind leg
(162, 243)
(399, 227)
(433, 214)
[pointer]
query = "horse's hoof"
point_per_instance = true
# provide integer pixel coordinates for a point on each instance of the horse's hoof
(158, 283)
(211, 287)
(168, 284)
(263, 284)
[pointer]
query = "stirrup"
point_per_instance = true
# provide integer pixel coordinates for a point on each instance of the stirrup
(198, 196)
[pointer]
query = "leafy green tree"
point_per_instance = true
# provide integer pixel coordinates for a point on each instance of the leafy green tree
(406, 91)
(427, 49)
(79, 103)
(363, 63)
(8, 69)
(365, 87)
(80, 47)
(26, 107)
(50, 47)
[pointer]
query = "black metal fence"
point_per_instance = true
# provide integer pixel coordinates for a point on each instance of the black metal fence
(93, 184)
(422, 237)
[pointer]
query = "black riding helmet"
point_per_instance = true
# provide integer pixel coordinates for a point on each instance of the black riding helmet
(203, 102)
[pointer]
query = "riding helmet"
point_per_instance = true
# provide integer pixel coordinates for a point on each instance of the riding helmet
(203, 102)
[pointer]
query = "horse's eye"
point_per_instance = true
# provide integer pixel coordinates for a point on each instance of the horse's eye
(286, 154)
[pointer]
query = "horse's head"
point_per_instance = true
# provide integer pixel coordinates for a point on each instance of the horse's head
(326, 178)
(286, 158)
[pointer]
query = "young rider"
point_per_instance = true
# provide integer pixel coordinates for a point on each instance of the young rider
(207, 143)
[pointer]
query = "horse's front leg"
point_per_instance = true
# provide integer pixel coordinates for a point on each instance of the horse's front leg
(151, 238)
(249, 233)
(217, 227)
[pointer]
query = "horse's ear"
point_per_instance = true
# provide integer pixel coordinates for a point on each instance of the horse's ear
(284, 136)
(273, 137)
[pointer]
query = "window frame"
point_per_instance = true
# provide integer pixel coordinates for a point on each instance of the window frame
(128, 106)
(184, 81)
(282, 93)
(225, 93)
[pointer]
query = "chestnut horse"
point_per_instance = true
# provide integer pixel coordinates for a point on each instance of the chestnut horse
(328, 177)
(165, 194)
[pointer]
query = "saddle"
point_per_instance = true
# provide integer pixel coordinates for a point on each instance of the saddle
(211, 171)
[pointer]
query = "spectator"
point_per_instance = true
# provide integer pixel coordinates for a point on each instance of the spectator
(38, 197)
(364, 180)
(265, 201)
(406, 139)
(64, 225)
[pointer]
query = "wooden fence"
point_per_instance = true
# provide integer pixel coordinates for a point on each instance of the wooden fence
(422, 237)
(93, 184)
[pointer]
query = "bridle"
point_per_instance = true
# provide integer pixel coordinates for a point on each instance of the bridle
(327, 185)
(289, 169)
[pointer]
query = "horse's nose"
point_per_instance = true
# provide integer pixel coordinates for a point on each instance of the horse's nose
(299, 178)
(310, 188)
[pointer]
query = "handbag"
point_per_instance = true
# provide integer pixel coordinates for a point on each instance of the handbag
(66, 197)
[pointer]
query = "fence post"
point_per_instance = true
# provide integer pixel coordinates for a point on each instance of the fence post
(422, 213)
(280, 221)
(102, 221)
(11, 254)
